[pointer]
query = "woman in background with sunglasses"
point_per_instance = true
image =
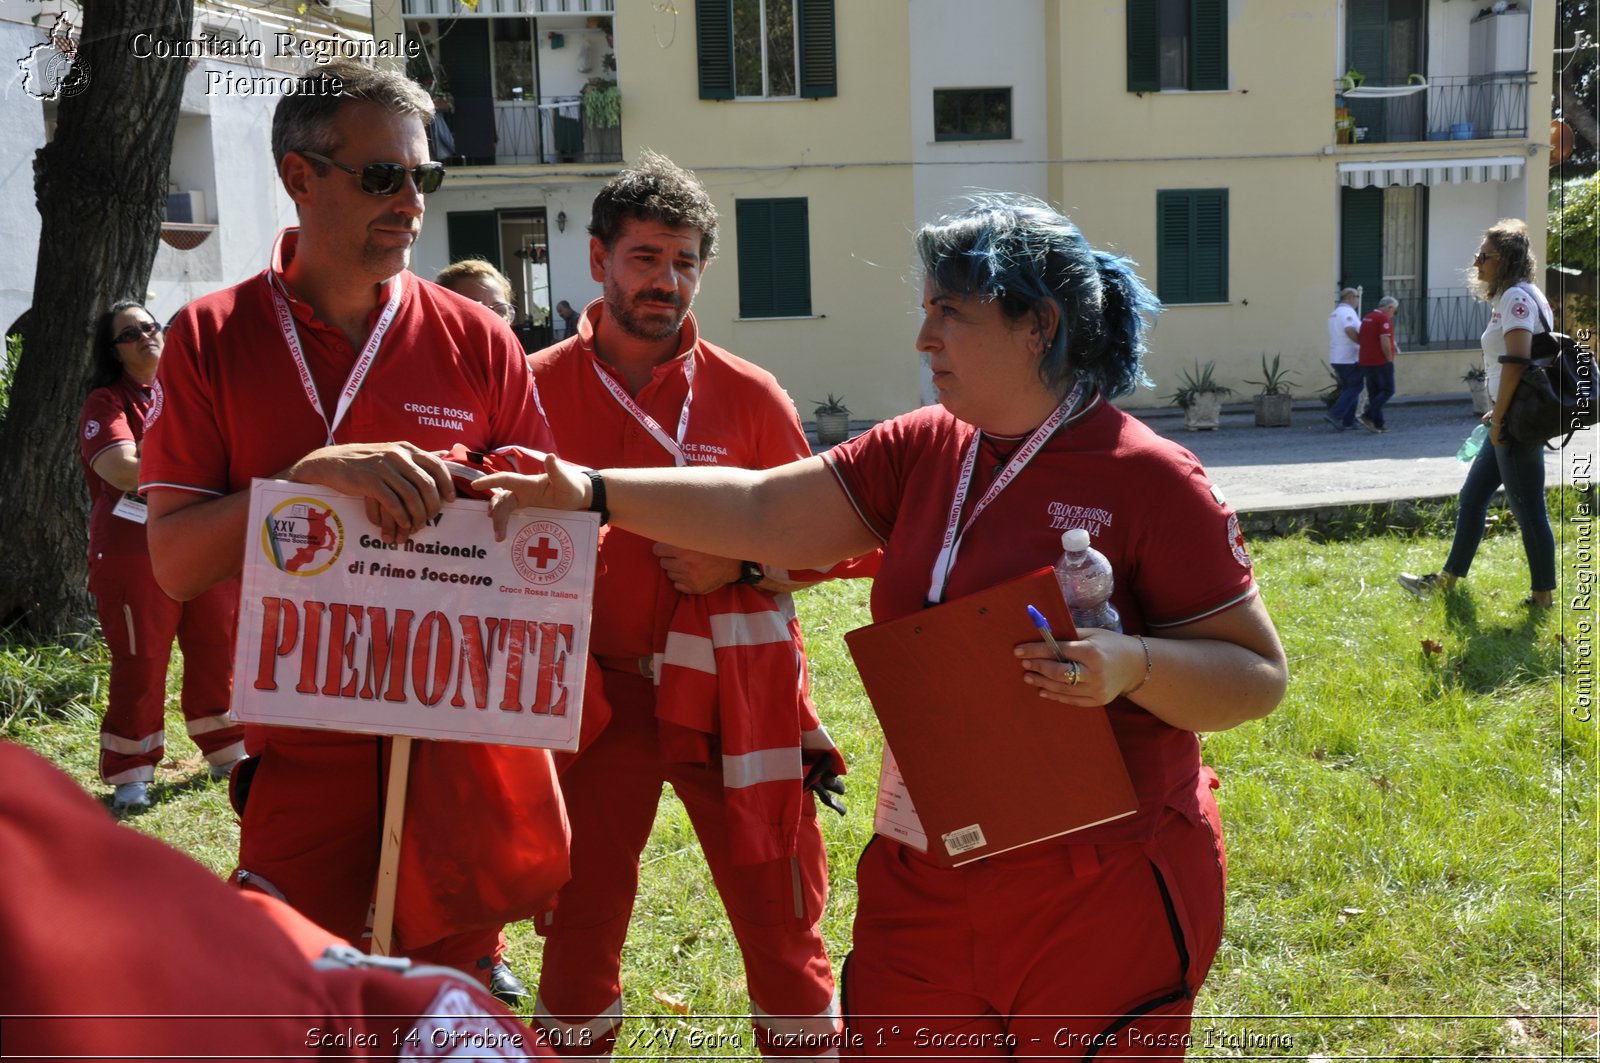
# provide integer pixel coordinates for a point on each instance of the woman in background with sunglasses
(1502, 276)
(137, 618)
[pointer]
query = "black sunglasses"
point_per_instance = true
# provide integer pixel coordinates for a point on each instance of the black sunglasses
(387, 178)
(133, 332)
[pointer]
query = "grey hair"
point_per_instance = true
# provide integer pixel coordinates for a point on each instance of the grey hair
(303, 120)
(1388, 300)
(1347, 293)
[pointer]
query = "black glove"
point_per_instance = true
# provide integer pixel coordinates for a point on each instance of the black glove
(827, 787)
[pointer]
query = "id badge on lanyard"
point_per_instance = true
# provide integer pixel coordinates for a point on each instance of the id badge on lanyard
(955, 530)
(358, 372)
(672, 446)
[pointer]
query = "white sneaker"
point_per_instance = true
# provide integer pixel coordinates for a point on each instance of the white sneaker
(130, 796)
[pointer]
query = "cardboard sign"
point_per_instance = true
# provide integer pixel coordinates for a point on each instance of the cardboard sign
(448, 635)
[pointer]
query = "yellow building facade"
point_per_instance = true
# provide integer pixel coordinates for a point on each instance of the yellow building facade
(1252, 157)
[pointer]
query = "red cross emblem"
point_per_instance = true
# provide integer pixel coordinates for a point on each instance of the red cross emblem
(543, 553)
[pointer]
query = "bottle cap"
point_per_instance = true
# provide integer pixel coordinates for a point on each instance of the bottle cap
(1075, 539)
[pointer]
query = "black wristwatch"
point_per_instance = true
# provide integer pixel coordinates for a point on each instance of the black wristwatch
(751, 573)
(597, 495)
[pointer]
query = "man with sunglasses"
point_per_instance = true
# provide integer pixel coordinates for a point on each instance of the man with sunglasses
(331, 367)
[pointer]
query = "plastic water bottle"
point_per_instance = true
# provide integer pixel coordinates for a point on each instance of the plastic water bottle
(1473, 444)
(1085, 578)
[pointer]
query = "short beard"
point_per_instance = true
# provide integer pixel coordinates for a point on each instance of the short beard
(635, 325)
(385, 262)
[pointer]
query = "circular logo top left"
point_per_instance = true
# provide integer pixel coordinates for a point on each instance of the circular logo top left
(302, 536)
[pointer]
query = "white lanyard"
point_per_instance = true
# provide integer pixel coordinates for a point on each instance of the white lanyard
(358, 372)
(618, 392)
(955, 531)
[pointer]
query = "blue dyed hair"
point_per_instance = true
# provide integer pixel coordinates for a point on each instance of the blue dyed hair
(1023, 254)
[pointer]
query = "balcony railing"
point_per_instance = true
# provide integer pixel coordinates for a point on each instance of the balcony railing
(542, 131)
(1444, 319)
(1477, 107)
(495, 8)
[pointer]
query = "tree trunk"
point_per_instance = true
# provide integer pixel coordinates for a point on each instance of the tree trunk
(101, 185)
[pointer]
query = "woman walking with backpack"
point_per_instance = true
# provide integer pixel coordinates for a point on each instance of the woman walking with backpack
(1503, 277)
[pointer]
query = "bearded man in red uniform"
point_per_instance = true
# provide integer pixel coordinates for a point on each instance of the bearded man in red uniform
(701, 657)
(336, 366)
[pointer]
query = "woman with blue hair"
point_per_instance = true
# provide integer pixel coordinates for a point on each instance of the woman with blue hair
(1099, 939)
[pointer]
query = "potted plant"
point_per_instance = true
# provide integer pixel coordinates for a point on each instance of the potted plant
(602, 104)
(1201, 397)
(1274, 401)
(1478, 384)
(1330, 391)
(833, 421)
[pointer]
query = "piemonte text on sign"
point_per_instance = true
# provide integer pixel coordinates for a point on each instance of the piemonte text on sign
(447, 635)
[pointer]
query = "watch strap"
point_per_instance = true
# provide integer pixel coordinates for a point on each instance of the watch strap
(597, 495)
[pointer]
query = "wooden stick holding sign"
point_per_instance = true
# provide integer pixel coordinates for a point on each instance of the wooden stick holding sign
(448, 635)
(394, 821)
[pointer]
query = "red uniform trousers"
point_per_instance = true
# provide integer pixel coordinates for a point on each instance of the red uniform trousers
(1053, 950)
(328, 876)
(612, 789)
(139, 622)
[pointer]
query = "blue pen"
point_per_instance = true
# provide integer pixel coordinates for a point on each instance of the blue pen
(1044, 629)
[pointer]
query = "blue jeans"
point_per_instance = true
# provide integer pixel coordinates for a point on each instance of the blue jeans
(1520, 467)
(1343, 409)
(1380, 386)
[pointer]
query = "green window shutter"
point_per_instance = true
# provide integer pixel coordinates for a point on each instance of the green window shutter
(1192, 245)
(819, 67)
(1361, 243)
(774, 257)
(1144, 70)
(1173, 222)
(1210, 246)
(474, 234)
(1208, 44)
(791, 267)
(753, 219)
(713, 23)
(1366, 49)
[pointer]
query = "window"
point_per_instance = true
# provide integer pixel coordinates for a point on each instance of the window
(1177, 44)
(1192, 245)
(774, 257)
(971, 114)
(766, 48)
(514, 77)
(763, 47)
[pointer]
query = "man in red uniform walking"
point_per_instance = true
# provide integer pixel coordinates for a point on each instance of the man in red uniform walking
(336, 366)
(701, 657)
(1377, 351)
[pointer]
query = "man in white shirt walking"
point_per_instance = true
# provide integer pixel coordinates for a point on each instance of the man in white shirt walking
(1344, 335)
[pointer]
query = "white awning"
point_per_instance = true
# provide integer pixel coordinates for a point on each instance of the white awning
(1429, 171)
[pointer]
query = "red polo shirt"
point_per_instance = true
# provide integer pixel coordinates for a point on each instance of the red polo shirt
(112, 415)
(230, 405)
(1374, 327)
(1174, 545)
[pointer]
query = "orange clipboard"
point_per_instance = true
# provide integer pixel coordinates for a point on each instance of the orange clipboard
(990, 765)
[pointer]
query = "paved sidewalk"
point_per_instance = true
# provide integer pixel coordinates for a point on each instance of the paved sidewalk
(1310, 464)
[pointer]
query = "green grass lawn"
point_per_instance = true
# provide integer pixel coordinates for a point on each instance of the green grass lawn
(1411, 835)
